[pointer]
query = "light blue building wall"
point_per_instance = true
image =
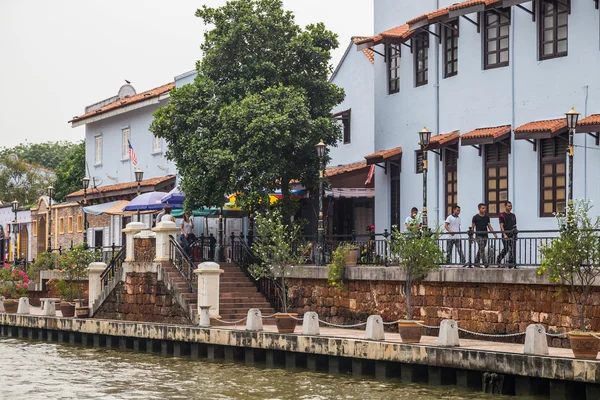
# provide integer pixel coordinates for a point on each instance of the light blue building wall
(526, 90)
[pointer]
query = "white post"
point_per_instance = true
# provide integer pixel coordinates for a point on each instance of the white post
(163, 230)
(209, 277)
(130, 230)
(95, 269)
(49, 308)
(204, 317)
(536, 341)
(254, 320)
(23, 306)
(2, 310)
(374, 329)
(310, 324)
(448, 336)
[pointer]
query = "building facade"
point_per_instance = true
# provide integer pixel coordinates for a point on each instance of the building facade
(23, 236)
(492, 79)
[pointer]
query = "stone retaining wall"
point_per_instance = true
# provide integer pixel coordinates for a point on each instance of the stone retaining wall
(485, 307)
(142, 297)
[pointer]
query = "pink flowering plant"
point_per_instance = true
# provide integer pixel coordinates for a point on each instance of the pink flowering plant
(14, 283)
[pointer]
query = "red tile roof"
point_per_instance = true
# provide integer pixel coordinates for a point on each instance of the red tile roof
(367, 52)
(472, 3)
(383, 155)
(443, 140)
(341, 169)
(400, 32)
(549, 125)
(149, 94)
(123, 186)
(485, 135)
(430, 17)
(592, 120)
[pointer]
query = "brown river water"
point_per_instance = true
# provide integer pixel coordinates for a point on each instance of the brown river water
(39, 370)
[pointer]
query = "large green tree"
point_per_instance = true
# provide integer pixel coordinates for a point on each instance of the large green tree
(21, 181)
(260, 103)
(70, 172)
(47, 155)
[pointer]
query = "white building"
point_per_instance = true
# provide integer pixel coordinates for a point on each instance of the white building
(499, 73)
(7, 218)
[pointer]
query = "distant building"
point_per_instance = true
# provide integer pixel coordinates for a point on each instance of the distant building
(24, 234)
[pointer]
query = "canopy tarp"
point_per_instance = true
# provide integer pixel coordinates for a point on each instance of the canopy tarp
(111, 208)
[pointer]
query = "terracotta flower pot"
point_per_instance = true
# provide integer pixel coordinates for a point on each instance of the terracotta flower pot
(351, 258)
(82, 312)
(67, 309)
(584, 345)
(11, 306)
(285, 323)
(410, 331)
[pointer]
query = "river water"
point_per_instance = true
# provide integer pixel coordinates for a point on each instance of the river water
(39, 370)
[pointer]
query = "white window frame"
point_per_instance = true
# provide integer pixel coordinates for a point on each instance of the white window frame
(125, 138)
(156, 144)
(98, 150)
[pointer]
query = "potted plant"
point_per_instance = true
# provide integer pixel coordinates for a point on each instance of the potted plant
(342, 257)
(70, 286)
(14, 284)
(573, 260)
(278, 247)
(418, 253)
(44, 261)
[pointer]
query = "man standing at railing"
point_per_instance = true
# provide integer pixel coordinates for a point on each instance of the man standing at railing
(413, 222)
(508, 226)
(481, 224)
(452, 225)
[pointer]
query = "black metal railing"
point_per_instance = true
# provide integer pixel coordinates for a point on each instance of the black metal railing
(242, 255)
(183, 262)
(113, 267)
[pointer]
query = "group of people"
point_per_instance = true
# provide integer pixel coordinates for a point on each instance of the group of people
(481, 226)
(186, 228)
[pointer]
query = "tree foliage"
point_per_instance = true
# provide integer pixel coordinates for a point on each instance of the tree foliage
(259, 104)
(21, 181)
(573, 258)
(69, 172)
(47, 155)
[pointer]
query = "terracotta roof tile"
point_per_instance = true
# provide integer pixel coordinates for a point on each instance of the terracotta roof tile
(444, 139)
(549, 125)
(341, 169)
(593, 119)
(367, 52)
(124, 185)
(383, 155)
(485, 135)
(149, 94)
(472, 3)
(429, 16)
(417, 19)
(399, 32)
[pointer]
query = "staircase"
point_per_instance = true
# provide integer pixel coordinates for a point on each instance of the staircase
(181, 290)
(239, 294)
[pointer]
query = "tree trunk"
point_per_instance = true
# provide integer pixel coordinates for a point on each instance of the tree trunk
(283, 293)
(286, 198)
(407, 294)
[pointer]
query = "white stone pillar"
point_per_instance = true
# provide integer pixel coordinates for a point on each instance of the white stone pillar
(23, 306)
(536, 341)
(310, 324)
(163, 230)
(448, 335)
(49, 308)
(254, 320)
(209, 277)
(130, 230)
(95, 269)
(2, 304)
(374, 330)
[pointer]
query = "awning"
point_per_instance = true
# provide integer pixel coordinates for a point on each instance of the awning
(443, 140)
(429, 18)
(485, 135)
(111, 208)
(471, 6)
(589, 124)
(341, 193)
(383, 155)
(228, 212)
(545, 129)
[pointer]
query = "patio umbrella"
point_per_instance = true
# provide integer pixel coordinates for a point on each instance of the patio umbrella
(174, 198)
(146, 202)
(111, 208)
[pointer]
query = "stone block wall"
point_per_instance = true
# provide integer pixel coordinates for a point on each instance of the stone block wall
(142, 297)
(479, 307)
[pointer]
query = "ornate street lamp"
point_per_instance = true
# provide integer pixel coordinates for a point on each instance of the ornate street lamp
(572, 117)
(139, 176)
(15, 208)
(424, 138)
(50, 193)
(320, 227)
(85, 182)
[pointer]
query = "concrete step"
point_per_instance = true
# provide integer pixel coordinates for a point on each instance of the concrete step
(236, 285)
(249, 303)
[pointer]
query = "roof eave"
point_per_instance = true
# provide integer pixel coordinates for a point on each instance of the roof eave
(468, 10)
(587, 128)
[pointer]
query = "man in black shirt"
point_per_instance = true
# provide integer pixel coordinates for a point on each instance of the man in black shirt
(508, 226)
(480, 224)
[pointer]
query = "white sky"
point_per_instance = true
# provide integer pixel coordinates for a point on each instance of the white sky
(58, 56)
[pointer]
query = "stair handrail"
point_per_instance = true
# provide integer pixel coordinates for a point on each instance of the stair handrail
(186, 267)
(115, 263)
(244, 257)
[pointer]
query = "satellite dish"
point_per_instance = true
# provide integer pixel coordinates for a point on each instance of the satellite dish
(13, 157)
(126, 91)
(97, 181)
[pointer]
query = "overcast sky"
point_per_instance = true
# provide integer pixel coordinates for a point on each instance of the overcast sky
(58, 56)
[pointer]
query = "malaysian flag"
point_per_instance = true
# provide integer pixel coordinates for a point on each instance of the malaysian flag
(132, 156)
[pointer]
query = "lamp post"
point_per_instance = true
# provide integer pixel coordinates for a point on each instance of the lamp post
(572, 117)
(50, 193)
(15, 208)
(424, 138)
(320, 227)
(85, 182)
(139, 175)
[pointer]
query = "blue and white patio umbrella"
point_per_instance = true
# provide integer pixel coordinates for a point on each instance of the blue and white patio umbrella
(146, 202)
(174, 198)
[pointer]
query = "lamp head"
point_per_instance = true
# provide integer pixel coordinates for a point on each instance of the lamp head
(572, 117)
(139, 175)
(15, 205)
(424, 137)
(320, 149)
(50, 191)
(85, 182)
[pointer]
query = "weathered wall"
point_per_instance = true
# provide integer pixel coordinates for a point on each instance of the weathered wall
(485, 307)
(142, 297)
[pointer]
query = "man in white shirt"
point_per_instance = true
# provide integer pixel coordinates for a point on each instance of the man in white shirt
(413, 223)
(452, 225)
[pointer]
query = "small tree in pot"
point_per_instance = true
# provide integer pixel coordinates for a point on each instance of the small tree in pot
(277, 246)
(418, 252)
(14, 284)
(573, 260)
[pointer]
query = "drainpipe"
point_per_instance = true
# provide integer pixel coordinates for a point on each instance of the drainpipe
(438, 167)
(513, 117)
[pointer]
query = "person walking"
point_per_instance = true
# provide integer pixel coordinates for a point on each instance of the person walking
(508, 227)
(481, 224)
(452, 225)
(187, 232)
(413, 223)
(159, 216)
